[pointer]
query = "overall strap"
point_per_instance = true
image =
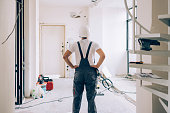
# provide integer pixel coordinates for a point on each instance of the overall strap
(87, 54)
(81, 54)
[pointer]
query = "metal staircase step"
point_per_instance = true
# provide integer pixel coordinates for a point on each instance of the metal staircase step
(152, 80)
(155, 36)
(165, 19)
(164, 104)
(151, 66)
(152, 52)
(157, 90)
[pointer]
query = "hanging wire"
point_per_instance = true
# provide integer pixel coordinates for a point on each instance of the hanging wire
(14, 24)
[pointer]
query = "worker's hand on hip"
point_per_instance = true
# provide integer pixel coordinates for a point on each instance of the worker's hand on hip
(76, 66)
(95, 66)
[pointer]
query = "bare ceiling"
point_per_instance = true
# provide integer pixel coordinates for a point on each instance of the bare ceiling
(84, 3)
(79, 3)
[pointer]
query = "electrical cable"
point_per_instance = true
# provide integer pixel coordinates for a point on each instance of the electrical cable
(34, 99)
(123, 93)
(59, 100)
(117, 91)
(14, 24)
(28, 101)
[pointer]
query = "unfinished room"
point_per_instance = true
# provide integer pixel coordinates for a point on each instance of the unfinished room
(84, 56)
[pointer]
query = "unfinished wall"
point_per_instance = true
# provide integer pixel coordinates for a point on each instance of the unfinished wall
(7, 56)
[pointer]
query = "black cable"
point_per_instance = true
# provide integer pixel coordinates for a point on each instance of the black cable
(19, 2)
(14, 24)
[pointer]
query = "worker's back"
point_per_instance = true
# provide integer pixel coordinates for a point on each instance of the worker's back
(84, 43)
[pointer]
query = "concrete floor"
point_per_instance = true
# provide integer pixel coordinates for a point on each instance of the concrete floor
(109, 103)
(126, 85)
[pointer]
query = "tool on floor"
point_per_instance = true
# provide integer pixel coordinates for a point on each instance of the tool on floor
(98, 87)
(41, 79)
(146, 43)
(49, 82)
(107, 83)
(140, 62)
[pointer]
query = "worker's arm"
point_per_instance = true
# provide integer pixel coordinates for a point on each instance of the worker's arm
(101, 59)
(65, 57)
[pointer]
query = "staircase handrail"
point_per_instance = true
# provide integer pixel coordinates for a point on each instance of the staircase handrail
(127, 9)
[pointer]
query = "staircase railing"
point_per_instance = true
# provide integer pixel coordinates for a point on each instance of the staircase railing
(134, 21)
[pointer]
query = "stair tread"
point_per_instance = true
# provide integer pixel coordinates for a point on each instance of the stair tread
(165, 19)
(152, 52)
(155, 36)
(153, 80)
(157, 90)
(151, 66)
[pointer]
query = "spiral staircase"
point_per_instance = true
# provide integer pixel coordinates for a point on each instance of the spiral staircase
(163, 91)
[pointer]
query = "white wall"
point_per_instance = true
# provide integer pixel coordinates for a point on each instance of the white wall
(31, 27)
(114, 39)
(107, 28)
(50, 14)
(95, 21)
(96, 25)
(7, 56)
(55, 15)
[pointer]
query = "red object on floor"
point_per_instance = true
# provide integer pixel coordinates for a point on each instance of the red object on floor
(49, 86)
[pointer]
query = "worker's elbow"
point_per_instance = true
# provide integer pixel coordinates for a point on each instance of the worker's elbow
(64, 57)
(103, 56)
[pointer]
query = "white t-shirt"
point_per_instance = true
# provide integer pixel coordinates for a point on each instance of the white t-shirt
(84, 46)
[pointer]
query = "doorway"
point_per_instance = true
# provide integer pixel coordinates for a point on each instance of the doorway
(52, 47)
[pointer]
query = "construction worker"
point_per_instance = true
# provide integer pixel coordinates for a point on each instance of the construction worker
(85, 70)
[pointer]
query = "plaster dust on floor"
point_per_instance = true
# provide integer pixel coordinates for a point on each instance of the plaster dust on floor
(109, 103)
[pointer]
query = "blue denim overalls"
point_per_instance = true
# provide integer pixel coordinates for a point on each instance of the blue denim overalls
(84, 75)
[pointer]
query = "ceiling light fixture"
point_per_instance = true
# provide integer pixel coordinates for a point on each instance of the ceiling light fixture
(94, 1)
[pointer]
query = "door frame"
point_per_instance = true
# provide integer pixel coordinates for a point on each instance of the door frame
(40, 32)
(19, 53)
